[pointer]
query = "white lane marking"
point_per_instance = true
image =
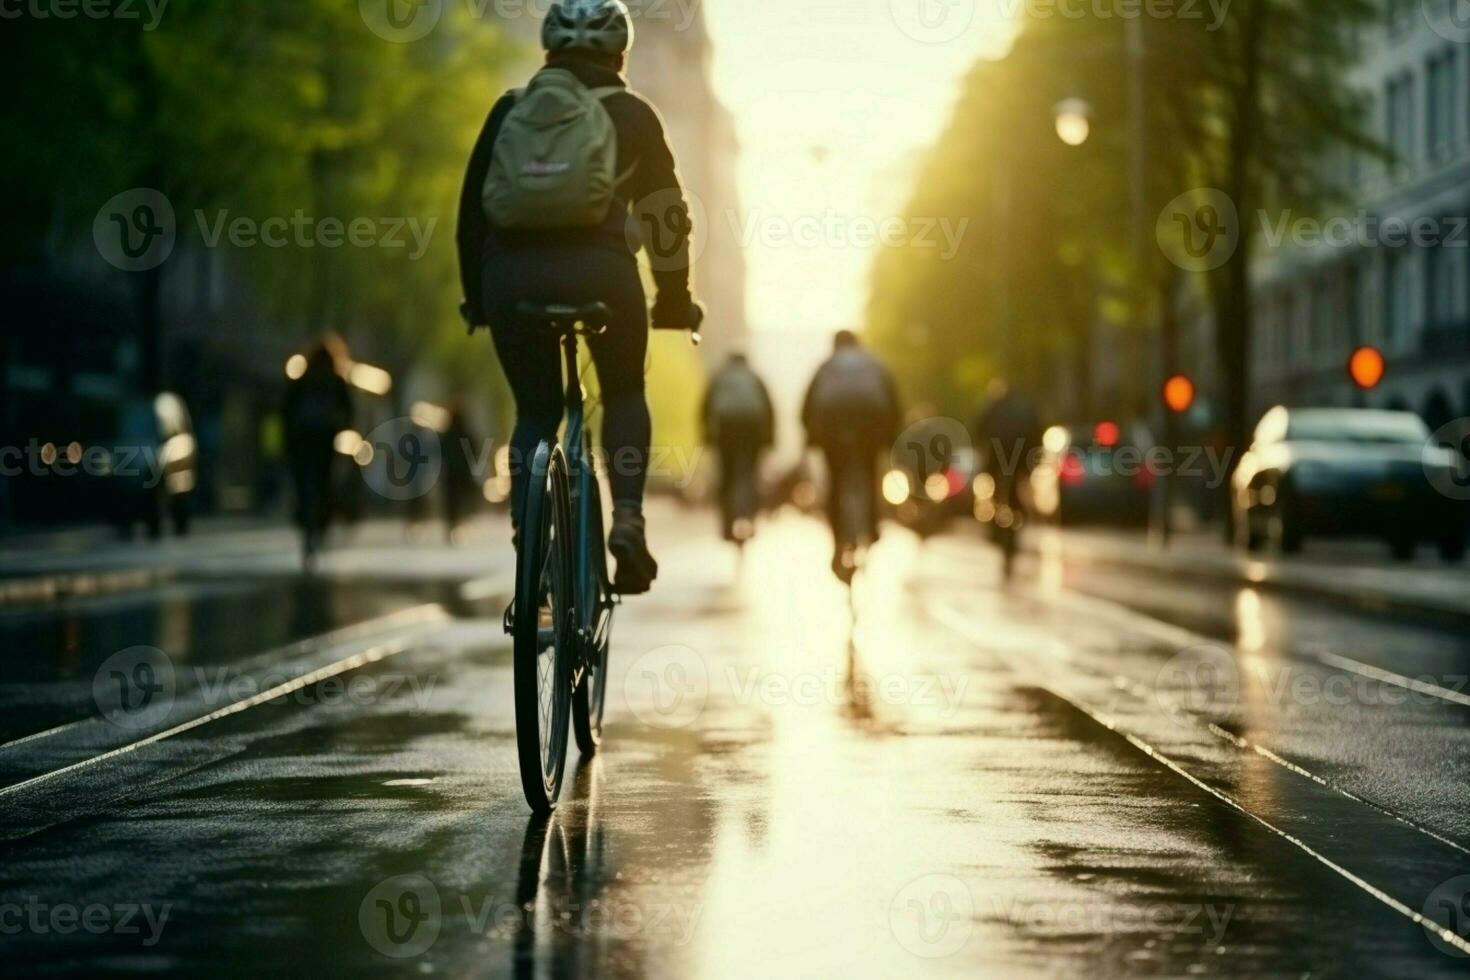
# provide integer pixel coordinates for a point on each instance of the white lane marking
(1176, 635)
(366, 657)
(428, 612)
(951, 619)
(1418, 685)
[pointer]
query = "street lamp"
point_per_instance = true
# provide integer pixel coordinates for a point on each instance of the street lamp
(1074, 121)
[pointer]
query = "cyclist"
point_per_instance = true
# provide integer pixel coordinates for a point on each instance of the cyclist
(852, 414)
(318, 405)
(504, 263)
(739, 422)
(1007, 434)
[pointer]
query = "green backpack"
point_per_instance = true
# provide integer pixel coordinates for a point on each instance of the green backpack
(555, 159)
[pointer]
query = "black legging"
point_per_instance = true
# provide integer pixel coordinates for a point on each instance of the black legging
(532, 358)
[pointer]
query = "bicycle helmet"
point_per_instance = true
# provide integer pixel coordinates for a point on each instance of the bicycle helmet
(601, 26)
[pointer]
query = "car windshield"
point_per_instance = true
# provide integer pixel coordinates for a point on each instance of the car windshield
(1399, 428)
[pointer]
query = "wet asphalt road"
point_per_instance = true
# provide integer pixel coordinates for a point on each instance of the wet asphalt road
(1091, 770)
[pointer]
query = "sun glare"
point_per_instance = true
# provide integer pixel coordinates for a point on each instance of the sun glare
(833, 105)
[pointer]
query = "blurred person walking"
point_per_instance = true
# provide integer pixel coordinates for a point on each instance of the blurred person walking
(739, 423)
(852, 414)
(318, 406)
(461, 489)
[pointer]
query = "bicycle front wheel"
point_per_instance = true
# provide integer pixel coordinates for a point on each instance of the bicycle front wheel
(594, 609)
(545, 630)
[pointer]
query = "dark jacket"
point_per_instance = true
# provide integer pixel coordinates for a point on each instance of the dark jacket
(650, 194)
(853, 398)
(761, 422)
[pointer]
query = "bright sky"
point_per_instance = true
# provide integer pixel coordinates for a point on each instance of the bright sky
(834, 101)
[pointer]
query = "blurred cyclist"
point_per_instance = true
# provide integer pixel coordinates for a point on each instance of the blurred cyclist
(852, 414)
(318, 405)
(545, 219)
(1007, 435)
(739, 423)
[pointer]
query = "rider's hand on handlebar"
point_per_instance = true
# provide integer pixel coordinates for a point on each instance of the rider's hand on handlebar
(678, 313)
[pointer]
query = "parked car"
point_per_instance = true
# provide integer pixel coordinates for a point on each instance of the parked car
(153, 465)
(1346, 472)
(1094, 475)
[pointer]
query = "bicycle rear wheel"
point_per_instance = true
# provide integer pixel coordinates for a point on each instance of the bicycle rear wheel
(545, 634)
(594, 610)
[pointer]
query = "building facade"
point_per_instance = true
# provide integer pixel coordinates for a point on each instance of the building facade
(1392, 268)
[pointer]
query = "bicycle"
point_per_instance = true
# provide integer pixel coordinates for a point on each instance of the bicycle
(561, 619)
(853, 485)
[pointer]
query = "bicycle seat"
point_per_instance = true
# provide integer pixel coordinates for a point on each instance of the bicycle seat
(561, 317)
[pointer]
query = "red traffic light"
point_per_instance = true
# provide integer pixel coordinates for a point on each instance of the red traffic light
(1107, 434)
(1179, 394)
(1367, 367)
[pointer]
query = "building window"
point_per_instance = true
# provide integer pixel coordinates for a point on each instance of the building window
(1439, 285)
(1352, 305)
(1439, 105)
(1324, 317)
(1396, 299)
(1399, 117)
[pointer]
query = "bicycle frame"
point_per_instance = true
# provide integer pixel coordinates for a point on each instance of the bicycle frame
(583, 472)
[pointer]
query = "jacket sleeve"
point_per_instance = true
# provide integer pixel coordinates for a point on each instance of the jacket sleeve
(656, 196)
(473, 227)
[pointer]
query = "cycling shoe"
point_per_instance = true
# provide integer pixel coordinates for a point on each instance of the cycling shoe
(629, 546)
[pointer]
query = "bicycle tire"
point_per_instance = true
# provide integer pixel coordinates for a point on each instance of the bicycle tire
(594, 610)
(545, 638)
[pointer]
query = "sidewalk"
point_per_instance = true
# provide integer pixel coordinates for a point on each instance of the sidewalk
(1357, 574)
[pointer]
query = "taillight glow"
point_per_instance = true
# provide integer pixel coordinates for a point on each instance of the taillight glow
(1073, 470)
